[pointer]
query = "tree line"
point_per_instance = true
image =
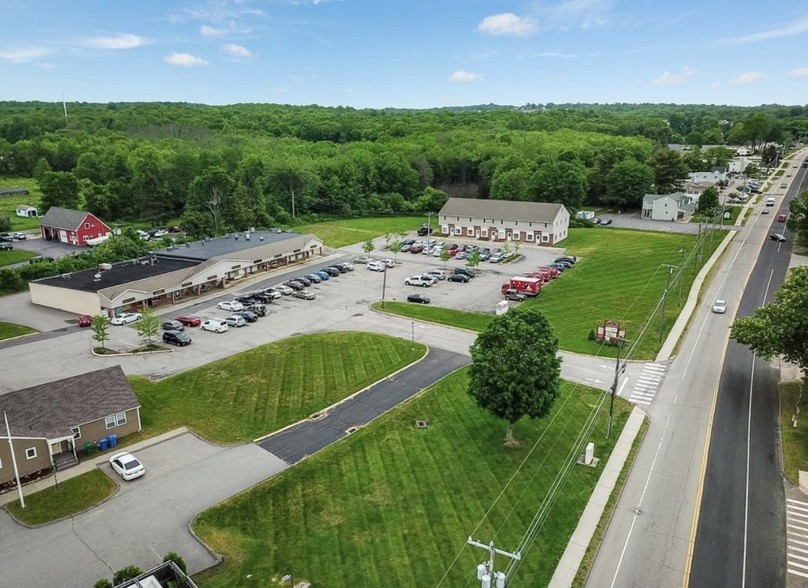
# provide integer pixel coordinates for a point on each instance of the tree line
(231, 167)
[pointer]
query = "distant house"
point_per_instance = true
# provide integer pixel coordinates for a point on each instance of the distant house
(26, 211)
(50, 423)
(715, 175)
(71, 226)
(543, 223)
(13, 191)
(668, 207)
(738, 165)
(742, 151)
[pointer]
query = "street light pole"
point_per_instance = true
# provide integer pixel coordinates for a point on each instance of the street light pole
(384, 285)
(681, 273)
(617, 371)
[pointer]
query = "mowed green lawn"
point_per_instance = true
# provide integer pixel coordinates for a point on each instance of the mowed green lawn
(9, 330)
(340, 233)
(392, 505)
(259, 391)
(15, 256)
(620, 275)
(8, 204)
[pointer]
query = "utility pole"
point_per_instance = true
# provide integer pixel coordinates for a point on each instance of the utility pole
(664, 298)
(14, 461)
(293, 203)
(485, 571)
(618, 369)
(681, 273)
(384, 284)
(428, 226)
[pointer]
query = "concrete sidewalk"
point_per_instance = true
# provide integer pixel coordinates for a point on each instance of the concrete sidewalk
(87, 464)
(570, 562)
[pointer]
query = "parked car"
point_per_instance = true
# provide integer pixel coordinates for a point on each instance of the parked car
(462, 278)
(126, 318)
(294, 285)
(376, 266)
(468, 272)
(419, 298)
(177, 338)
(324, 275)
(214, 325)
(20, 236)
(363, 259)
(190, 321)
(230, 305)
(85, 320)
(303, 280)
(346, 265)
(561, 267)
(496, 258)
(513, 294)
(333, 271)
(777, 237)
(781, 218)
(566, 259)
(405, 247)
(235, 320)
(249, 299)
(6, 238)
(313, 278)
(437, 274)
(416, 249)
(423, 281)
(305, 294)
(720, 306)
(461, 255)
(247, 315)
(173, 325)
(389, 262)
(6, 246)
(257, 309)
(424, 231)
(606, 221)
(274, 293)
(40, 259)
(283, 289)
(127, 466)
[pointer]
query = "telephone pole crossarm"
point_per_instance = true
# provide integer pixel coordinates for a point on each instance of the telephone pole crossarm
(485, 571)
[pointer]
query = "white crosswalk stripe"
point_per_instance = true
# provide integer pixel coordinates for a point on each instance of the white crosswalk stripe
(797, 537)
(647, 385)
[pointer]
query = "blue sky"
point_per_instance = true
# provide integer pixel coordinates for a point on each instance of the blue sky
(405, 53)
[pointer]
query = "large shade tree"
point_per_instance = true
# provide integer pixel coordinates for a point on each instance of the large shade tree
(780, 328)
(515, 369)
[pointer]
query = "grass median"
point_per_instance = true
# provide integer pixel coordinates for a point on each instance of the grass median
(620, 275)
(14, 256)
(392, 504)
(341, 233)
(794, 429)
(10, 330)
(259, 391)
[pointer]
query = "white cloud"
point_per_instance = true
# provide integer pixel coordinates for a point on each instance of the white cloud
(23, 55)
(800, 72)
(119, 41)
(185, 60)
(209, 31)
(668, 78)
(748, 77)
(463, 77)
(507, 24)
(793, 28)
(583, 13)
(236, 50)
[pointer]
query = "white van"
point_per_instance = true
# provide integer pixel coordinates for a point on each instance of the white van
(769, 201)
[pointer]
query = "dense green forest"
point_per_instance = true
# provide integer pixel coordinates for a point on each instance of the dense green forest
(230, 167)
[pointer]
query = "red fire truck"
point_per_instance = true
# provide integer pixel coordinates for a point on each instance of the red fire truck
(524, 284)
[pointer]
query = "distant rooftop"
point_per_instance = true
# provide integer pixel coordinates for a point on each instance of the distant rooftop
(200, 251)
(121, 273)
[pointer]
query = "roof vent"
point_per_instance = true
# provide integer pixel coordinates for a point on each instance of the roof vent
(97, 277)
(65, 276)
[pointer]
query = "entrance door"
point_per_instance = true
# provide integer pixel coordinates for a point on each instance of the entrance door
(62, 235)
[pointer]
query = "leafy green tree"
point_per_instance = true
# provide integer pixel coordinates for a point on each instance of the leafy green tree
(5, 224)
(515, 370)
(368, 246)
(444, 256)
(431, 200)
(149, 325)
(100, 330)
(125, 574)
(779, 328)
(40, 168)
(798, 217)
(59, 189)
(177, 559)
(473, 259)
(628, 181)
(708, 201)
(103, 583)
(395, 248)
(562, 182)
(211, 193)
(669, 170)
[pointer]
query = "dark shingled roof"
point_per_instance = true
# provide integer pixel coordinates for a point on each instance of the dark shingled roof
(49, 410)
(545, 212)
(63, 218)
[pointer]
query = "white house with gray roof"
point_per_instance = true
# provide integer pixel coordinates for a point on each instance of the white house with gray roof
(540, 223)
(669, 207)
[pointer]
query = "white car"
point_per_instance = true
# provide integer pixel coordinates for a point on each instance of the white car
(389, 262)
(720, 306)
(231, 305)
(436, 274)
(274, 293)
(214, 325)
(283, 289)
(235, 321)
(126, 318)
(127, 466)
(377, 266)
(423, 281)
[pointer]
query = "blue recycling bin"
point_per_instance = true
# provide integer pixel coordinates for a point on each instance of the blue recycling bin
(103, 443)
(113, 441)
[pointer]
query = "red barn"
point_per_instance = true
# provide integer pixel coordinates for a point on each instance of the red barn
(71, 226)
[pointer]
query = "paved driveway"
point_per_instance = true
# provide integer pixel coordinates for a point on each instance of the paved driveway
(146, 519)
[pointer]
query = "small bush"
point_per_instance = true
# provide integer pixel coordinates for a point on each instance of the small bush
(177, 559)
(125, 574)
(103, 583)
(591, 334)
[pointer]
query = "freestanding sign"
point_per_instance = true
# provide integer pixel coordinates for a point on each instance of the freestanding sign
(610, 332)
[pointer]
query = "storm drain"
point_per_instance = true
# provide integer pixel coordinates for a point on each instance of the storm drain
(421, 424)
(352, 430)
(315, 416)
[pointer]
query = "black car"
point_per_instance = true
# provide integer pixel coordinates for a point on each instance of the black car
(408, 241)
(344, 267)
(303, 280)
(172, 326)
(424, 231)
(176, 338)
(6, 238)
(333, 271)
(777, 237)
(462, 278)
(6, 246)
(247, 315)
(565, 259)
(250, 299)
(464, 271)
(419, 298)
(559, 266)
(294, 285)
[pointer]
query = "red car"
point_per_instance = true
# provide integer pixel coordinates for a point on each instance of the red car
(85, 320)
(190, 321)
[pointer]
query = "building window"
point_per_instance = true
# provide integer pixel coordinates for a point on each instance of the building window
(528, 236)
(515, 236)
(115, 420)
(76, 432)
(469, 231)
(444, 229)
(86, 225)
(30, 453)
(545, 238)
(484, 232)
(458, 231)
